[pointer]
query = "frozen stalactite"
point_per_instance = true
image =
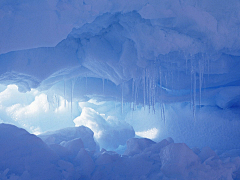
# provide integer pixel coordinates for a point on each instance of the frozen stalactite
(166, 82)
(150, 86)
(147, 86)
(64, 92)
(194, 94)
(133, 94)
(71, 97)
(122, 98)
(193, 87)
(135, 85)
(144, 88)
(149, 94)
(162, 110)
(201, 72)
(55, 101)
(208, 66)
(72, 90)
(153, 93)
(163, 113)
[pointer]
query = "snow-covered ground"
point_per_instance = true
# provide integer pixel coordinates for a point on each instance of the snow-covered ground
(71, 153)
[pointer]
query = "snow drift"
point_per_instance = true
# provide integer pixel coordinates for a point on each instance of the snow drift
(26, 156)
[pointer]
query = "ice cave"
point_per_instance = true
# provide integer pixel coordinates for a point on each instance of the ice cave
(119, 90)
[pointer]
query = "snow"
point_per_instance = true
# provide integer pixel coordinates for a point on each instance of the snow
(22, 155)
(25, 156)
(109, 132)
(122, 77)
(68, 136)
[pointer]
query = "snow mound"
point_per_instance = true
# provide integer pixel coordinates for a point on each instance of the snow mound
(137, 145)
(26, 156)
(70, 133)
(74, 146)
(109, 132)
(177, 159)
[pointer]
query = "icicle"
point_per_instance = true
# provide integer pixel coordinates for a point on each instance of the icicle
(133, 94)
(171, 76)
(194, 94)
(72, 89)
(154, 96)
(191, 92)
(166, 80)
(192, 86)
(208, 67)
(161, 96)
(64, 93)
(200, 82)
(149, 94)
(144, 89)
(163, 113)
(193, 89)
(122, 98)
(136, 95)
(71, 97)
(147, 86)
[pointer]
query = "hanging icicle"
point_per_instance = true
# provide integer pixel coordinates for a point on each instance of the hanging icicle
(133, 94)
(64, 92)
(144, 88)
(72, 90)
(122, 98)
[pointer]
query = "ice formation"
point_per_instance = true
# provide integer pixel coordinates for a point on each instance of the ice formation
(118, 70)
(26, 156)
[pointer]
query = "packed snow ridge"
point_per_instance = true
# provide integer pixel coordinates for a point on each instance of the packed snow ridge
(72, 153)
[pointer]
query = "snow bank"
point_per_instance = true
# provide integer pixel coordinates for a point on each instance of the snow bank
(26, 156)
(109, 132)
(67, 136)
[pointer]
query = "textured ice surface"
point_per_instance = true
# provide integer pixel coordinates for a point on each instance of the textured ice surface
(67, 135)
(156, 68)
(109, 132)
(24, 156)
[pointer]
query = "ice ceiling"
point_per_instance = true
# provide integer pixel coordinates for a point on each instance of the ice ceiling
(164, 68)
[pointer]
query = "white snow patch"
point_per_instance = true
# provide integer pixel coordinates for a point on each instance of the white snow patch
(150, 133)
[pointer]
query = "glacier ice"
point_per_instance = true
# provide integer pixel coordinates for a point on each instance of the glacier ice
(145, 68)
